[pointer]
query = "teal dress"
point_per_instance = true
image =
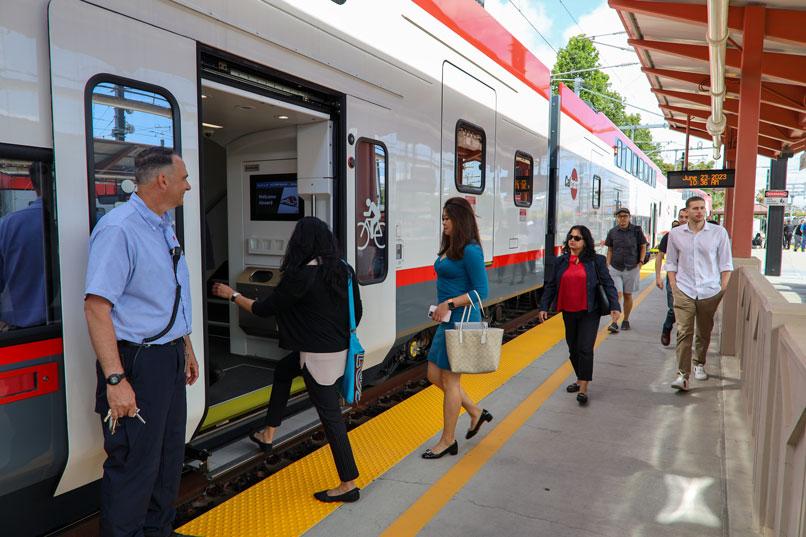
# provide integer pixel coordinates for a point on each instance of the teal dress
(454, 278)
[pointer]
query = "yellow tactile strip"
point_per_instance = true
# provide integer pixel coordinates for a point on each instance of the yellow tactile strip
(282, 504)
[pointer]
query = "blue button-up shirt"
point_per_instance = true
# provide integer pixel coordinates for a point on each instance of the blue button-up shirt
(22, 267)
(130, 265)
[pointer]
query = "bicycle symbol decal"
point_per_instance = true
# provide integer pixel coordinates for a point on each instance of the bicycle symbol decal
(371, 229)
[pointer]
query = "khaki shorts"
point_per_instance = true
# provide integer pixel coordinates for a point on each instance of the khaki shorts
(626, 280)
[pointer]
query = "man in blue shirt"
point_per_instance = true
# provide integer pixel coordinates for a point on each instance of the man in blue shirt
(139, 316)
(22, 262)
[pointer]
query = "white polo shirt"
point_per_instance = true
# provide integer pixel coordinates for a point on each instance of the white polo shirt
(699, 259)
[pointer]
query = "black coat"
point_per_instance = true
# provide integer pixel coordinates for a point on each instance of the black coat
(595, 270)
(310, 317)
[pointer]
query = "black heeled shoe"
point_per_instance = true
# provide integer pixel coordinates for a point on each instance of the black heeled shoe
(582, 399)
(265, 447)
(453, 449)
(572, 388)
(485, 416)
(348, 497)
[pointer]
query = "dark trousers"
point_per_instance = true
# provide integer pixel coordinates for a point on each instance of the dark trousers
(326, 401)
(787, 240)
(668, 323)
(144, 461)
(580, 334)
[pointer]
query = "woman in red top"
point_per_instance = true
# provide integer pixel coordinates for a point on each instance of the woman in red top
(577, 273)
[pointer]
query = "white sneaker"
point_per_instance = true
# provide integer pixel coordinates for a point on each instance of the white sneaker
(699, 372)
(680, 383)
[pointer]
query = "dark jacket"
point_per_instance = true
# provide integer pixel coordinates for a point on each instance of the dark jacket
(595, 270)
(310, 317)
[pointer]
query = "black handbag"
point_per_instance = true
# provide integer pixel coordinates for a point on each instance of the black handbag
(602, 302)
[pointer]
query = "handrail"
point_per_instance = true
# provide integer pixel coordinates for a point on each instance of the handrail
(768, 334)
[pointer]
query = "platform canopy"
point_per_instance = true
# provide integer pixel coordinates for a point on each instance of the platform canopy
(670, 39)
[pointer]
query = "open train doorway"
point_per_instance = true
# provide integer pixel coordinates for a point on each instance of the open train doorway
(266, 162)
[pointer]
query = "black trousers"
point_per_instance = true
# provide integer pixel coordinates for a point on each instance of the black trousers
(326, 401)
(144, 461)
(580, 334)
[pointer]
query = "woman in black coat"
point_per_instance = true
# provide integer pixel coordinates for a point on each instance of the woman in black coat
(573, 288)
(311, 307)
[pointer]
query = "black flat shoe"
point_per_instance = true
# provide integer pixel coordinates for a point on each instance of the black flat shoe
(572, 388)
(485, 416)
(582, 399)
(265, 447)
(453, 449)
(348, 497)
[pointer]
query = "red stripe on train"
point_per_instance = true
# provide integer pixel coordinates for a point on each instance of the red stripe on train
(426, 274)
(30, 351)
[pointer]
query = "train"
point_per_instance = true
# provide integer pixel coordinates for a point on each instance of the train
(368, 115)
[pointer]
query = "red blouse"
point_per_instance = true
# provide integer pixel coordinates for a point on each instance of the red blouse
(573, 292)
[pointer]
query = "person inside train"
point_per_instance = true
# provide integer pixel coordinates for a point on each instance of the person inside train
(668, 322)
(312, 311)
(574, 289)
(626, 250)
(460, 275)
(22, 261)
(138, 309)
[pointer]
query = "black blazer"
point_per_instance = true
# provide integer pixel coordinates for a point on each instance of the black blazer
(309, 317)
(595, 270)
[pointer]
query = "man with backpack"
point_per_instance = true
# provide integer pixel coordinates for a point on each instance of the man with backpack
(626, 249)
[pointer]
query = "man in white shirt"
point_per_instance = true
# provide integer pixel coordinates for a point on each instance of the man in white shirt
(698, 263)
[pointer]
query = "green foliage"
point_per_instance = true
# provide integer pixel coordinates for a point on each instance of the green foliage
(580, 53)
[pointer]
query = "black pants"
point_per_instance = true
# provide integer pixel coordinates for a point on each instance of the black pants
(144, 461)
(580, 334)
(326, 401)
(668, 323)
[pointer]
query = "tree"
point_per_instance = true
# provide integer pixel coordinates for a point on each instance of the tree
(578, 54)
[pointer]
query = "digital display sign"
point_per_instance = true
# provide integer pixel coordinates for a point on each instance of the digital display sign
(700, 179)
(274, 197)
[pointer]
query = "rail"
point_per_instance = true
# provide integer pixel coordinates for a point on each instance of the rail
(767, 335)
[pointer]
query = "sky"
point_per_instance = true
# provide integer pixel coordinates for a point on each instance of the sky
(559, 20)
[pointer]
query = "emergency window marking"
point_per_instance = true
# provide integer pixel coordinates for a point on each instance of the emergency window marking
(524, 166)
(371, 231)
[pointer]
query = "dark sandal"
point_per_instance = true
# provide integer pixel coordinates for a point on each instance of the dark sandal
(572, 388)
(582, 399)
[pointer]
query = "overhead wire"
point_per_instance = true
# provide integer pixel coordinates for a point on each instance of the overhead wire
(571, 15)
(532, 25)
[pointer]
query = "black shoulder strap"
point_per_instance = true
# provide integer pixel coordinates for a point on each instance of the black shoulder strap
(176, 254)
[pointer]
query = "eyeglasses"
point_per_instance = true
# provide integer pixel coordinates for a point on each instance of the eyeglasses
(574, 238)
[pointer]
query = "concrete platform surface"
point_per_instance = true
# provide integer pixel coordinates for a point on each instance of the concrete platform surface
(639, 460)
(792, 281)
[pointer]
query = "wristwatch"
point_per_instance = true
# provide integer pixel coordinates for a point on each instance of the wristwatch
(235, 295)
(451, 306)
(115, 378)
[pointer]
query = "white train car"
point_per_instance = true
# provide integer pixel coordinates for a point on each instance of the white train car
(601, 170)
(366, 114)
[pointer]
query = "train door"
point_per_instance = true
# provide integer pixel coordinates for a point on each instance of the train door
(468, 147)
(369, 219)
(118, 85)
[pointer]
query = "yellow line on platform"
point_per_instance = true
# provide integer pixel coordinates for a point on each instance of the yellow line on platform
(282, 504)
(440, 493)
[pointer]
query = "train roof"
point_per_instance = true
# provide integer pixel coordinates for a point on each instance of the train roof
(474, 24)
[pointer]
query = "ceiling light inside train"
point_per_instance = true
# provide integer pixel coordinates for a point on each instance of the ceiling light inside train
(212, 126)
(281, 117)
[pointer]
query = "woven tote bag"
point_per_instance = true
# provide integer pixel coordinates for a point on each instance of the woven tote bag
(473, 347)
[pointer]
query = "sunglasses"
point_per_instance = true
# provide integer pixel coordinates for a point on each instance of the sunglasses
(574, 238)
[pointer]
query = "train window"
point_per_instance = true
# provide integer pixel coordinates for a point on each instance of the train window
(371, 233)
(617, 154)
(28, 249)
(126, 117)
(624, 150)
(596, 197)
(471, 147)
(524, 167)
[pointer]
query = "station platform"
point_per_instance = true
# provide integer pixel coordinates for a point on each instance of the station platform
(639, 460)
(792, 281)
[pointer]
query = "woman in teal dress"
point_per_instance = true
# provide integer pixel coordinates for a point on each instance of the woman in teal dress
(460, 275)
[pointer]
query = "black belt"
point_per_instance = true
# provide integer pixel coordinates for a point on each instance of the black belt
(129, 344)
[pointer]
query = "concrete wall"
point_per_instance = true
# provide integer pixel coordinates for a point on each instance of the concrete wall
(767, 335)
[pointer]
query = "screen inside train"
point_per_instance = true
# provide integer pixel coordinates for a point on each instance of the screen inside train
(274, 197)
